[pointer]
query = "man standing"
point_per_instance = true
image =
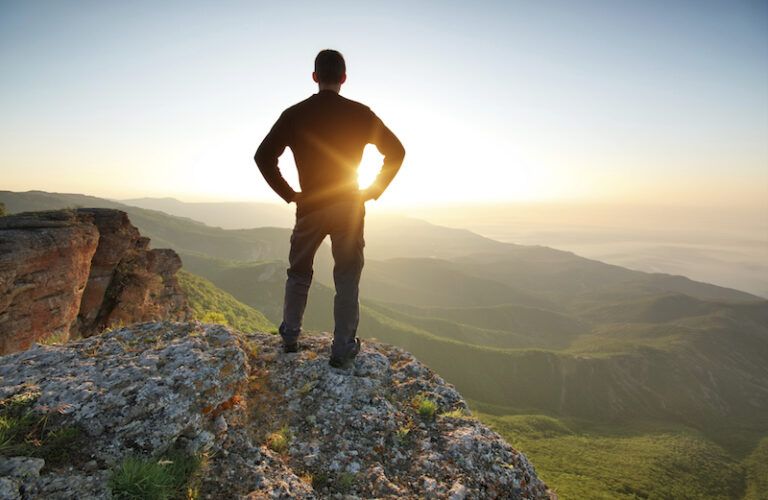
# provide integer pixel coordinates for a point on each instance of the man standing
(327, 134)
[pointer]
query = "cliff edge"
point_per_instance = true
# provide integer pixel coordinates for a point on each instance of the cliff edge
(266, 424)
(74, 273)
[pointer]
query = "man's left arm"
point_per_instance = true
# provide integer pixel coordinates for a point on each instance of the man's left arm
(390, 146)
(267, 155)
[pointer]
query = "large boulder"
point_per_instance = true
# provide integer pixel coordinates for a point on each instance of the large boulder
(77, 272)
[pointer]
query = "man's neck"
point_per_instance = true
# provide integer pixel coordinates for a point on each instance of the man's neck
(334, 87)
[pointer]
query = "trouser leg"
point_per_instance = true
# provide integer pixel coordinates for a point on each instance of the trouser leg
(347, 246)
(307, 236)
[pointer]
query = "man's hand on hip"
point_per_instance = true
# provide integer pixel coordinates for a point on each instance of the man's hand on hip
(366, 194)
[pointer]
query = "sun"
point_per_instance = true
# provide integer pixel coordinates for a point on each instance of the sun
(369, 166)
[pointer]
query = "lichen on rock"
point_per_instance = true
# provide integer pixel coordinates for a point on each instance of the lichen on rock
(204, 389)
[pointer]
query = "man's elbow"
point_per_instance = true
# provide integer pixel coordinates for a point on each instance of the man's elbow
(398, 153)
(264, 160)
(258, 157)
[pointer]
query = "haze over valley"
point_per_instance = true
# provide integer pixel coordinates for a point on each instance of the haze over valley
(723, 245)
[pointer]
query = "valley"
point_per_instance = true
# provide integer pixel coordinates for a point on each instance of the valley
(606, 377)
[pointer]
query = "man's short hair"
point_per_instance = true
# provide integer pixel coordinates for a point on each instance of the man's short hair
(330, 66)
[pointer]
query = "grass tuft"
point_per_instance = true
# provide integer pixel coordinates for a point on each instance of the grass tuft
(458, 413)
(402, 433)
(248, 345)
(55, 339)
(279, 440)
(425, 407)
(345, 482)
(307, 388)
(27, 431)
(173, 476)
(320, 481)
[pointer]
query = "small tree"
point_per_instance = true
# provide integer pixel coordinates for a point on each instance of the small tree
(2, 209)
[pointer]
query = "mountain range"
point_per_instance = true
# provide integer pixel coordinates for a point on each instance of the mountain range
(526, 332)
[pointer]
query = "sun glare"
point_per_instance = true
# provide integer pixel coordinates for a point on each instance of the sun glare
(369, 166)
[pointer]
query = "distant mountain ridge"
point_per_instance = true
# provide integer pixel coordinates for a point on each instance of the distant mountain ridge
(415, 239)
(231, 215)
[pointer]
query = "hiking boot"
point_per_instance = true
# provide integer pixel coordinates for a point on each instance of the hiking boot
(291, 347)
(347, 361)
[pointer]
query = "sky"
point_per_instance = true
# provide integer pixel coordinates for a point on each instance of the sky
(607, 101)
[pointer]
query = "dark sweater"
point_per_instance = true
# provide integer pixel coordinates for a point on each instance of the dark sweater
(327, 134)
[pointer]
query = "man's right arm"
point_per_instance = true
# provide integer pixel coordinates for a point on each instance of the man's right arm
(393, 151)
(267, 155)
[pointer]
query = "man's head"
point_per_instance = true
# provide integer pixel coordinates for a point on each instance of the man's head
(330, 69)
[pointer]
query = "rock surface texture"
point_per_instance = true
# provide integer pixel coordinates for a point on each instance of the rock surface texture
(77, 272)
(205, 389)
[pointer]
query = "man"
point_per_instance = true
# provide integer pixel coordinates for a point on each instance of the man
(327, 134)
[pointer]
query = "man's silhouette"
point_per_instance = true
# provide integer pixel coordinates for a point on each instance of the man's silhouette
(327, 134)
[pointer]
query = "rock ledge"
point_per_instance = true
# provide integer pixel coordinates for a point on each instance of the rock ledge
(201, 388)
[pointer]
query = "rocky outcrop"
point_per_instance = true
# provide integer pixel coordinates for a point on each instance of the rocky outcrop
(76, 272)
(45, 261)
(128, 282)
(366, 432)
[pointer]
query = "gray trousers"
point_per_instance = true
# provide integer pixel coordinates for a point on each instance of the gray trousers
(343, 221)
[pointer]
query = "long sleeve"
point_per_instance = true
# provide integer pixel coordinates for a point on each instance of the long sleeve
(267, 155)
(392, 149)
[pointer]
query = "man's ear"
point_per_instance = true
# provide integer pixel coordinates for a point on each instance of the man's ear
(314, 77)
(343, 78)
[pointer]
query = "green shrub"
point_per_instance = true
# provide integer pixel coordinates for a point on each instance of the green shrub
(631, 460)
(210, 304)
(757, 471)
(214, 317)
